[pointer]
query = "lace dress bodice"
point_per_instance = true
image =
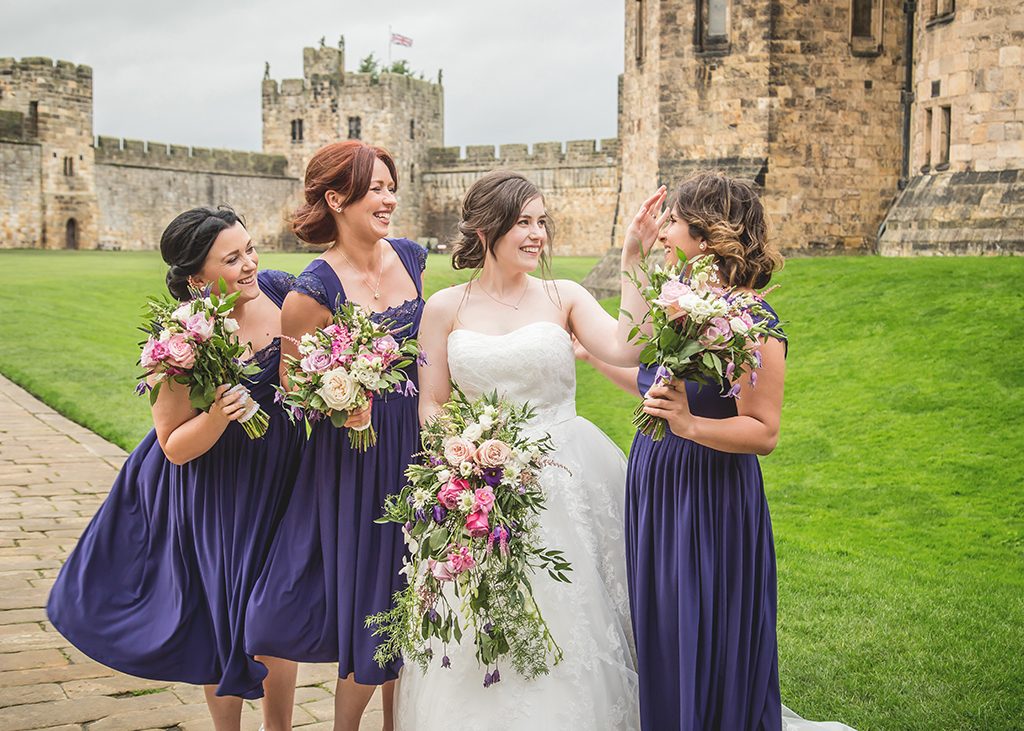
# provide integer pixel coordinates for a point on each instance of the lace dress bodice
(534, 363)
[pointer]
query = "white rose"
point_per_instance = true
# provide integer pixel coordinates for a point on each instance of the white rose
(486, 421)
(230, 325)
(466, 469)
(307, 344)
(443, 476)
(338, 389)
(183, 312)
(366, 371)
(738, 326)
(472, 432)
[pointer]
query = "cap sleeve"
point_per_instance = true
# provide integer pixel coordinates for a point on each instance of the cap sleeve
(309, 284)
(275, 284)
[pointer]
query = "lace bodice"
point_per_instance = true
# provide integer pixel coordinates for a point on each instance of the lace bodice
(533, 363)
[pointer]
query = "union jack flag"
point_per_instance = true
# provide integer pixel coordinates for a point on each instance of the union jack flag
(400, 40)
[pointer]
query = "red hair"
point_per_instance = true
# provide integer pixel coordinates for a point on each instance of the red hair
(344, 167)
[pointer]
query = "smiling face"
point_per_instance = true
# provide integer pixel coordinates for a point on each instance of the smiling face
(676, 235)
(520, 248)
(370, 216)
(232, 258)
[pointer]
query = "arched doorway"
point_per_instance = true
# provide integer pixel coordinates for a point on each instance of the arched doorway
(71, 234)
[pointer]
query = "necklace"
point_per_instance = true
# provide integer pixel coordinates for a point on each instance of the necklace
(506, 304)
(374, 288)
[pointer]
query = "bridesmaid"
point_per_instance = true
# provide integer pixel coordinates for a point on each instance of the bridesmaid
(158, 584)
(331, 566)
(699, 549)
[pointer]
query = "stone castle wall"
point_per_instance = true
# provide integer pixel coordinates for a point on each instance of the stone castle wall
(970, 62)
(579, 182)
(21, 210)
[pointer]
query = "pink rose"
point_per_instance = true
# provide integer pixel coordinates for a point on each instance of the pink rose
(476, 524)
(458, 450)
(492, 453)
(317, 362)
(385, 346)
(723, 326)
(441, 570)
(180, 351)
(200, 326)
(449, 494)
(484, 500)
(461, 560)
(672, 290)
(153, 352)
(712, 338)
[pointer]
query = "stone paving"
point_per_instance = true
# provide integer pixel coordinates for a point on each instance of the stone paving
(53, 476)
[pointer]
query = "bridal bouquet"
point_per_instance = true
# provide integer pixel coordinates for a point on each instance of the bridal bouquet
(700, 331)
(470, 513)
(193, 343)
(341, 367)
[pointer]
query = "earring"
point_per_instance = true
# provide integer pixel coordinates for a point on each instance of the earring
(702, 246)
(338, 209)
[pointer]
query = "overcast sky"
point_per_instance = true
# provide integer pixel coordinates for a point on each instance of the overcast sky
(189, 71)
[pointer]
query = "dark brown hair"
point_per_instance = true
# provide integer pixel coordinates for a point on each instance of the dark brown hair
(187, 241)
(727, 213)
(492, 206)
(345, 167)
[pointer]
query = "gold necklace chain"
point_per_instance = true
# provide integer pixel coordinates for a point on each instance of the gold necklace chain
(506, 304)
(380, 272)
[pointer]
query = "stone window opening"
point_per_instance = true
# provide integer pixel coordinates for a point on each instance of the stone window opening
(297, 130)
(866, 27)
(412, 129)
(927, 146)
(713, 26)
(33, 119)
(412, 173)
(639, 21)
(69, 166)
(71, 234)
(355, 128)
(945, 117)
(940, 12)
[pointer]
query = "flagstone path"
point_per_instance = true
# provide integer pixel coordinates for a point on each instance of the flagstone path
(53, 476)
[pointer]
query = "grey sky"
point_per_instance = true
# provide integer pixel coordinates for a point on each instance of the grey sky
(189, 71)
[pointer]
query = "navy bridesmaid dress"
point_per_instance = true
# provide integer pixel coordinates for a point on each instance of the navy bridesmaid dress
(331, 566)
(700, 560)
(158, 583)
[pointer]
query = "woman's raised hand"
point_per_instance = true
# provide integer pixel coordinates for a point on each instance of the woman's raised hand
(645, 226)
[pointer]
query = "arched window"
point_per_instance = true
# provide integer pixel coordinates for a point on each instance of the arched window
(713, 25)
(71, 234)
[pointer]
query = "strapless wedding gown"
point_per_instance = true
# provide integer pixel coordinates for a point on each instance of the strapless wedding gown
(595, 684)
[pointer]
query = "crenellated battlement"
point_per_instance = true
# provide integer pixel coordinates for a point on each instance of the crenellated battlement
(352, 80)
(575, 153)
(41, 65)
(160, 155)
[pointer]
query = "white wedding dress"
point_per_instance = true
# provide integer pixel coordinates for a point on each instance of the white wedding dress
(595, 685)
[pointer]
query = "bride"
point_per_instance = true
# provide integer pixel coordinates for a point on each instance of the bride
(511, 331)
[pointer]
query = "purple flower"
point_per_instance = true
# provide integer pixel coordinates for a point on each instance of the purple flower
(730, 369)
(662, 376)
(143, 388)
(757, 357)
(753, 379)
(446, 662)
(487, 628)
(492, 476)
(440, 511)
(432, 615)
(278, 397)
(421, 515)
(314, 416)
(435, 461)
(495, 677)
(410, 389)
(408, 526)
(421, 359)
(488, 680)
(296, 413)
(734, 392)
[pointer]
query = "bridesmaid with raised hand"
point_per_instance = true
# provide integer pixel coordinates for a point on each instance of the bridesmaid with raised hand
(331, 566)
(158, 584)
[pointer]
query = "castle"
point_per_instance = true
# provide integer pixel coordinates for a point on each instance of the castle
(889, 126)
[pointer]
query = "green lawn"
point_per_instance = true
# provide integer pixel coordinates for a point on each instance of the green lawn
(896, 491)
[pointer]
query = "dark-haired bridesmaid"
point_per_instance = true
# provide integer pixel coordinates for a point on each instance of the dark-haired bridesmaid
(158, 584)
(331, 566)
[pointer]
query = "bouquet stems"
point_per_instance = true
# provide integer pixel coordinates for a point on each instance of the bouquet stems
(362, 439)
(652, 426)
(255, 422)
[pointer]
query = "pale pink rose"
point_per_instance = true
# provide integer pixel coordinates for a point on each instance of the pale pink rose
(153, 352)
(458, 450)
(476, 524)
(492, 453)
(448, 495)
(317, 362)
(386, 345)
(484, 500)
(672, 290)
(180, 351)
(461, 560)
(441, 570)
(200, 326)
(182, 312)
(713, 338)
(742, 324)
(723, 326)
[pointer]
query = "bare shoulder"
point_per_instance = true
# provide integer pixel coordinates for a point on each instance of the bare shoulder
(570, 291)
(443, 304)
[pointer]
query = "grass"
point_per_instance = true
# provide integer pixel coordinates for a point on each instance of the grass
(896, 490)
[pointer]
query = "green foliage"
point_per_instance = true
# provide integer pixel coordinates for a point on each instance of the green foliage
(401, 67)
(896, 490)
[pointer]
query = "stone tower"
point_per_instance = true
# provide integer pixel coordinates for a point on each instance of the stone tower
(405, 115)
(803, 98)
(53, 103)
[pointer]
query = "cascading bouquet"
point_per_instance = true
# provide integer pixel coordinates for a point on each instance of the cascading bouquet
(342, 367)
(699, 331)
(470, 514)
(193, 343)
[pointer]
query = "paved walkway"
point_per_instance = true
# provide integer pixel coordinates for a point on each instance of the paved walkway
(53, 476)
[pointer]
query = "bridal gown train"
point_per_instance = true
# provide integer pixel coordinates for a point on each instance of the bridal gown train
(595, 685)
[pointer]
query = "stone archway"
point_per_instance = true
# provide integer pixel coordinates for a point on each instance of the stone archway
(71, 234)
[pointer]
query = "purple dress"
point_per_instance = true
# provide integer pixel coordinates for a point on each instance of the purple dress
(158, 584)
(700, 561)
(331, 565)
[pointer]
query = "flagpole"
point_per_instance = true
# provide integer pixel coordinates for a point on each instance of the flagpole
(389, 46)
